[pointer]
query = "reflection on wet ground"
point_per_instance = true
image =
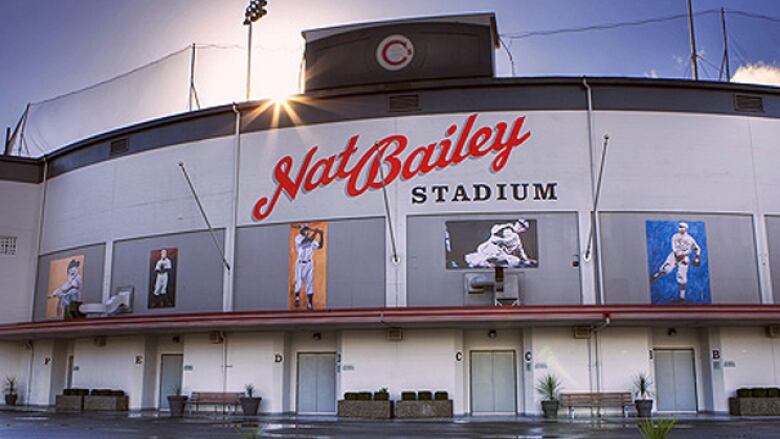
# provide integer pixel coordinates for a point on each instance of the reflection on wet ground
(151, 425)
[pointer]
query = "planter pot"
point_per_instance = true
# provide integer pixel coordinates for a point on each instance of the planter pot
(423, 409)
(754, 406)
(177, 403)
(10, 399)
(100, 403)
(69, 403)
(550, 409)
(365, 409)
(644, 407)
(250, 405)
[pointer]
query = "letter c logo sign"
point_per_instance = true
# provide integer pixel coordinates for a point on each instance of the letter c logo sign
(395, 52)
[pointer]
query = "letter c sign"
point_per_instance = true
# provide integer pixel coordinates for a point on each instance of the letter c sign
(395, 52)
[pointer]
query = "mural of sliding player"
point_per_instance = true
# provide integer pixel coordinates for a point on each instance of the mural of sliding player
(680, 247)
(162, 278)
(64, 291)
(490, 244)
(308, 266)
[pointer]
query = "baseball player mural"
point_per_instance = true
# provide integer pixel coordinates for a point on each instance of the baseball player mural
(687, 255)
(308, 266)
(162, 278)
(489, 244)
(64, 292)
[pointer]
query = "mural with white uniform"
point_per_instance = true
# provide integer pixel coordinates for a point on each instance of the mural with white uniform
(490, 244)
(679, 247)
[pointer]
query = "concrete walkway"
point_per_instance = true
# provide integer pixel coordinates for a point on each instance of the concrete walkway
(28, 424)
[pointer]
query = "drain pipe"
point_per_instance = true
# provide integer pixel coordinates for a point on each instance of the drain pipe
(36, 257)
(231, 229)
(595, 330)
(594, 235)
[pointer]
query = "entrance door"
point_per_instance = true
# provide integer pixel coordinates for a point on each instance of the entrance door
(493, 382)
(317, 383)
(170, 377)
(675, 380)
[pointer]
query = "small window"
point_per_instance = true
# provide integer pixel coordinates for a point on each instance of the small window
(8, 245)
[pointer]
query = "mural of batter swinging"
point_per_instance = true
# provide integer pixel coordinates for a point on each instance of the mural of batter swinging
(308, 266)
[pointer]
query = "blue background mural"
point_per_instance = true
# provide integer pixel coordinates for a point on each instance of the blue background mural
(665, 289)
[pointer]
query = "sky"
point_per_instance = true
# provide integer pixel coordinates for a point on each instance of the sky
(52, 47)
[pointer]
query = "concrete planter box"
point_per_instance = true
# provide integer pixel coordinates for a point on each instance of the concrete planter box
(93, 403)
(754, 406)
(423, 409)
(69, 403)
(365, 409)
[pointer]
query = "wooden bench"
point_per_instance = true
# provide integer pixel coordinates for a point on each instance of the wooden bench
(224, 399)
(599, 400)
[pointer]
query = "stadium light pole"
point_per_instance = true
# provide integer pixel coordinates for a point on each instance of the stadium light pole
(255, 11)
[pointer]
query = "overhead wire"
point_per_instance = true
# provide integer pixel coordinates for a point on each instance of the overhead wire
(607, 26)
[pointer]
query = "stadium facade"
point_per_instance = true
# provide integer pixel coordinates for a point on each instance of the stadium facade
(410, 222)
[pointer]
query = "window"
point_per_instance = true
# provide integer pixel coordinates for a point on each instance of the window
(8, 245)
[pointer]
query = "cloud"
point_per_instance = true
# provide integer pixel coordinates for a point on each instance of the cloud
(759, 73)
(651, 74)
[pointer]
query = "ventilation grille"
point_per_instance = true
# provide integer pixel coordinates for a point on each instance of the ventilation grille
(750, 104)
(403, 103)
(395, 334)
(8, 245)
(120, 146)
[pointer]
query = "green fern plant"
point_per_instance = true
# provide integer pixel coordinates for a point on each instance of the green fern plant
(642, 383)
(549, 386)
(657, 429)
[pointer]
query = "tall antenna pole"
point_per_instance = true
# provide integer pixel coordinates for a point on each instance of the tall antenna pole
(192, 74)
(694, 64)
(249, 63)
(725, 44)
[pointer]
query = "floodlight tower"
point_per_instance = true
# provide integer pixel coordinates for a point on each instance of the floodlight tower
(255, 11)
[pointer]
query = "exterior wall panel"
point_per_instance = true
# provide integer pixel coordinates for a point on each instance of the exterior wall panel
(18, 219)
(733, 269)
(554, 282)
(91, 281)
(199, 271)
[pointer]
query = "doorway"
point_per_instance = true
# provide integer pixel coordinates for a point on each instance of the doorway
(317, 383)
(675, 380)
(493, 382)
(170, 377)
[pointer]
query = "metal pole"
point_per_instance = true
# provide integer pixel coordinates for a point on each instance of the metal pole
(387, 210)
(725, 44)
(203, 214)
(7, 140)
(249, 63)
(694, 63)
(192, 74)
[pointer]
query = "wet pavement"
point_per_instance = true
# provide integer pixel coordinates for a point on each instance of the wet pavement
(150, 425)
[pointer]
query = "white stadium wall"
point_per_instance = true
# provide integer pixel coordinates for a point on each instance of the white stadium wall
(18, 221)
(661, 166)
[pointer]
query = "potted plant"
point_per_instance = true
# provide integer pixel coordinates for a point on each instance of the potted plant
(10, 391)
(250, 403)
(382, 395)
(643, 403)
(177, 401)
(549, 386)
(656, 430)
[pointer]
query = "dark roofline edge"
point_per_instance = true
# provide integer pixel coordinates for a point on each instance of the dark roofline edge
(421, 85)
